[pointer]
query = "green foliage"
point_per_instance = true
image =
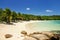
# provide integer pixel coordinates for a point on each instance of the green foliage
(8, 15)
(14, 16)
(1, 12)
(11, 16)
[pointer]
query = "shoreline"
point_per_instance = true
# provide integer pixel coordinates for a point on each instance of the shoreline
(15, 30)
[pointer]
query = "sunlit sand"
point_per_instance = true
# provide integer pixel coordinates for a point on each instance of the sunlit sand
(15, 30)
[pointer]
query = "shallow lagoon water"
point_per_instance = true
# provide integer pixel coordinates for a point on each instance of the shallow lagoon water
(48, 25)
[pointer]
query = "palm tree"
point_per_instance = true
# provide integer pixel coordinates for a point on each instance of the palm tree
(8, 15)
(14, 16)
(19, 16)
(1, 11)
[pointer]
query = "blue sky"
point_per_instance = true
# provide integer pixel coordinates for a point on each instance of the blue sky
(36, 7)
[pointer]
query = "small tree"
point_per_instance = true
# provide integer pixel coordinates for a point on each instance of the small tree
(8, 15)
(14, 16)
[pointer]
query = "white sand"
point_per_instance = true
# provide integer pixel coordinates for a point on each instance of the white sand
(14, 30)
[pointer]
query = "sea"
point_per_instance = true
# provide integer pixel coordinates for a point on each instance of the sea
(45, 25)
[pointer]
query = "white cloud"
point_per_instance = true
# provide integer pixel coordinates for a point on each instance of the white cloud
(27, 8)
(49, 10)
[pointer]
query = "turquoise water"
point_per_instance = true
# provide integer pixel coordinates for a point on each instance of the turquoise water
(45, 25)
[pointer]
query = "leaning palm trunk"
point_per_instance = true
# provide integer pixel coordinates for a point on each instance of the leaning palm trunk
(9, 18)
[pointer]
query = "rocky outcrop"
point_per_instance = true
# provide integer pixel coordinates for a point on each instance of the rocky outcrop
(41, 36)
(8, 36)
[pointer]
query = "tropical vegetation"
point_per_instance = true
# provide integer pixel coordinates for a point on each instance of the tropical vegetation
(8, 16)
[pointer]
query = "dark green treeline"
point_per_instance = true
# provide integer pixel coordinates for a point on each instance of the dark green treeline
(8, 16)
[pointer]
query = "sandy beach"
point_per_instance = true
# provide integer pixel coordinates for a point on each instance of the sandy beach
(14, 30)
